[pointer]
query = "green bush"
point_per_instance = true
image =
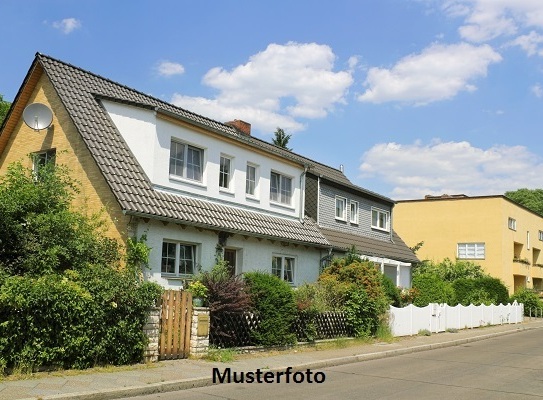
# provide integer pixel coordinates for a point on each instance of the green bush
(75, 320)
(485, 290)
(449, 270)
(430, 288)
(392, 292)
(273, 300)
(530, 300)
(65, 300)
(362, 312)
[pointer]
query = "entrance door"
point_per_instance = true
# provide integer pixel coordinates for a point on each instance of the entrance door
(230, 257)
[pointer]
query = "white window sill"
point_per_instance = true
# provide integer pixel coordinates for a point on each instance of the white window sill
(380, 229)
(180, 179)
(226, 191)
(341, 219)
(252, 198)
(285, 206)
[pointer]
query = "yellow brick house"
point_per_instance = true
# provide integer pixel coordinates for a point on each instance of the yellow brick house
(502, 236)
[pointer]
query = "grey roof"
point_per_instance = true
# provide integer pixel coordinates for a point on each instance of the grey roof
(80, 92)
(394, 249)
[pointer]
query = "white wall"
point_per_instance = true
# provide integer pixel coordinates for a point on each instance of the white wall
(149, 139)
(252, 253)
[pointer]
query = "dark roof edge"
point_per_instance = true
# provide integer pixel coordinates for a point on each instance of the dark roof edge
(215, 229)
(358, 189)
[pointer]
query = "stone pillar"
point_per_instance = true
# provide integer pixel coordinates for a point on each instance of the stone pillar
(199, 333)
(152, 330)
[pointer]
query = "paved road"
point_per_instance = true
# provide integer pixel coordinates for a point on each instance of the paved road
(508, 367)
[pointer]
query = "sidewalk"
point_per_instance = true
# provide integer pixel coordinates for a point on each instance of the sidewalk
(183, 374)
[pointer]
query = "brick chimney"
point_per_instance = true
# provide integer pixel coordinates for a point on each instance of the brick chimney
(241, 126)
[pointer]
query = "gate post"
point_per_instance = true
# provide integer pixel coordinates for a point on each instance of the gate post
(152, 329)
(199, 333)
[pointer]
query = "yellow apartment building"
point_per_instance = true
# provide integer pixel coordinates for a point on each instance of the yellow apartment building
(502, 236)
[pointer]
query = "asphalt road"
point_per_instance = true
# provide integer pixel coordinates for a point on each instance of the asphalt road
(507, 367)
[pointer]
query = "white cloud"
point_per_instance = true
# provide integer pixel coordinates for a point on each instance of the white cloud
(168, 68)
(67, 25)
(530, 43)
(537, 90)
(275, 87)
(489, 19)
(439, 72)
(415, 170)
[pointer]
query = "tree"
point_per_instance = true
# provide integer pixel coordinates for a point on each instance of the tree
(529, 198)
(281, 139)
(4, 107)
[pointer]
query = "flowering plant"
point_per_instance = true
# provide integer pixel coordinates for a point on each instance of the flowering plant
(197, 289)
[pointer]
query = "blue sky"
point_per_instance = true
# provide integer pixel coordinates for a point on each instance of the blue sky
(413, 97)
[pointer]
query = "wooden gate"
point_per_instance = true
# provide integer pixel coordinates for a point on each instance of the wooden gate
(175, 324)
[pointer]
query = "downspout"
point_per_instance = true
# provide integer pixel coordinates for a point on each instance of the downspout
(302, 194)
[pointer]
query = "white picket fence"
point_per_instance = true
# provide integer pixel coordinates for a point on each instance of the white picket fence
(435, 317)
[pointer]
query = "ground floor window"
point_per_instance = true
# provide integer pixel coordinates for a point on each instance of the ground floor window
(283, 267)
(178, 258)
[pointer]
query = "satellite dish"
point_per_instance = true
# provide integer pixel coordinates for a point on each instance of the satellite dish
(38, 116)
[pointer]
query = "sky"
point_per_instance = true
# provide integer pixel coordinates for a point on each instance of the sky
(411, 97)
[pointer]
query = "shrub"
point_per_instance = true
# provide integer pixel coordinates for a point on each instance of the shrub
(273, 300)
(430, 288)
(392, 292)
(485, 290)
(530, 300)
(362, 312)
(226, 293)
(450, 271)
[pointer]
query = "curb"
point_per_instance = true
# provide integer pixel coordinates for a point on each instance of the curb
(191, 383)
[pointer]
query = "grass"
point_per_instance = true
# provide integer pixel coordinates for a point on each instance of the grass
(19, 373)
(221, 355)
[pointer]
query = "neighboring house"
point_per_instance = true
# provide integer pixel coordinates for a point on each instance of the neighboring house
(199, 189)
(349, 215)
(502, 236)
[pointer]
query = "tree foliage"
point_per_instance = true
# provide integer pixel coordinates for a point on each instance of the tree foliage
(449, 270)
(281, 139)
(4, 108)
(65, 300)
(529, 198)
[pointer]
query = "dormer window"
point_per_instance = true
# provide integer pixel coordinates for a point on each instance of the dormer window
(380, 219)
(186, 161)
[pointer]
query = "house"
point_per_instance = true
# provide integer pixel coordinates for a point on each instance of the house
(349, 215)
(502, 236)
(197, 188)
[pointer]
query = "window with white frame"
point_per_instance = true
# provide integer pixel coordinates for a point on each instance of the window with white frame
(540, 234)
(380, 219)
(178, 259)
(186, 161)
(471, 251)
(225, 172)
(41, 159)
(283, 267)
(341, 208)
(512, 223)
(353, 216)
(280, 188)
(250, 180)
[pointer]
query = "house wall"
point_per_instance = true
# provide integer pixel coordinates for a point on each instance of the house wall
(149, 137)
(252, 254)
(442, 224)
(327, 217)
(71, 151)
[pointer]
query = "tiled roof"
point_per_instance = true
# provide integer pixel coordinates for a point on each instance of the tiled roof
(394, 249)
(80, 91)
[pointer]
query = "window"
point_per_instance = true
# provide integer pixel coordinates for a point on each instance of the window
(341, 208)
(353, 216)
(280, 188)
(186, 161)
(471, 250)
(225, 173)
(177, 258)
(250, 180)
(512, 223)
(41, 159)
(283, 268)
(541, 235)
(380, 219)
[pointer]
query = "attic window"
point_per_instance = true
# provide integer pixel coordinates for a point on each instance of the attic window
(41, 159)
